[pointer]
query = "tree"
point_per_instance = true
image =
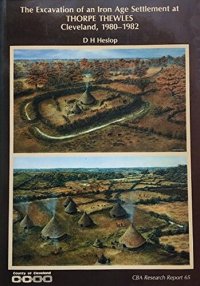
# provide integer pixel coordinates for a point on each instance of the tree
(52, 75)
(169, 248)
(184, 254)
(99, 72)
(18, 70)
(37, 74)
(72, 73)
(142, 83)
(58, 179)
(140, 68)
(158, 232)
(18, 86)
(76, 74)
(180, 61)
(172, 80)
(163, 61)
(144, 172)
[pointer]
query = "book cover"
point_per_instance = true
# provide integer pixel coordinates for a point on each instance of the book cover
(100, 144)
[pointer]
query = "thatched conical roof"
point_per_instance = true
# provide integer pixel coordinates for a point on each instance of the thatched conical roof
(132, 238)
(53, 229)
(87, 98)
(118, 211)
(103, 260)
(68, 200)
(17, 216)
(26, 223)
(85, 220)
(76, 109)
(71, 208)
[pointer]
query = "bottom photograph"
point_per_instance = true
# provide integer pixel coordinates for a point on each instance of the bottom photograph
(100, 211)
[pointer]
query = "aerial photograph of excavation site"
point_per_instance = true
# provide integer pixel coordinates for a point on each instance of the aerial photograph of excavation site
(100, 211)
(70, 100)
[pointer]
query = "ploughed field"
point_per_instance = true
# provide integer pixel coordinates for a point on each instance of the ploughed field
(157, 211)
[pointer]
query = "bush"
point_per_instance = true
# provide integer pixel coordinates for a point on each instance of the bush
(18, 86)
(184, 254)
(169, 248)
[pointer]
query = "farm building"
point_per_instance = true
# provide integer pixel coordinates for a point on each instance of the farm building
(103, 259)
(132, 239)
(85, 220)
(26, 223)
(87, 98)
(76, 109)
(118, 211)
(53, 230)
(71, 208)
(68, 200)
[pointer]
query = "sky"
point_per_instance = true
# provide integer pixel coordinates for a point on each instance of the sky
(48, 54)
(94, 161)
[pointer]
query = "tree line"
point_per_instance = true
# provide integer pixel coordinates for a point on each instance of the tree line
(68, 72)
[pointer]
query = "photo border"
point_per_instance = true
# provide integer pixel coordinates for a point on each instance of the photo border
(187, 155)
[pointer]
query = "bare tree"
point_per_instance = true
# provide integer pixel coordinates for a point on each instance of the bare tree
(172, 80)
(37, 74)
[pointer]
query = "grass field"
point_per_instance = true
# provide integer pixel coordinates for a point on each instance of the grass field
(31, 249)
(141, 195)
(177, 211)
(180, 242)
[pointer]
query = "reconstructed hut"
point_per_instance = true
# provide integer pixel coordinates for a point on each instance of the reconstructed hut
(17, 216)
(68, 200)
(71, 208)
(53, 230)
(76, 109)
(26, 223)
(103, 259)
(87, 98)
(85, 220)
(118, 211)
(132, 239)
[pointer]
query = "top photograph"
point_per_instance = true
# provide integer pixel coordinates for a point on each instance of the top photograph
(99, 99)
